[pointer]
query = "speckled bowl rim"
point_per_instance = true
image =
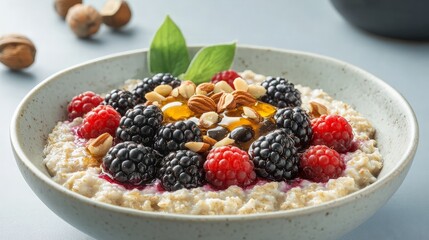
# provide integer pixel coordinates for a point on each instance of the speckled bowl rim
(395, 171)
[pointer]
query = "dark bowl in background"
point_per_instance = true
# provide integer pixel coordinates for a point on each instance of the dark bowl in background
(405, 19)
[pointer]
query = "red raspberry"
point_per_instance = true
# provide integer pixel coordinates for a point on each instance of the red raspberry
(320, 163)
(228, 76)
(82, 104)
(333, 131)
(228, 165)
(101, 119)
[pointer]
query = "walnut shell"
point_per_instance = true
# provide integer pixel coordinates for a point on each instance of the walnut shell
(84, 20)
(116, 13)
(63, 6)
(17, 51)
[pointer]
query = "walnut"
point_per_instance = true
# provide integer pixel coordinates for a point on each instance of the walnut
(84, 20)
(63, 6)
(116, 13)
(16, 51)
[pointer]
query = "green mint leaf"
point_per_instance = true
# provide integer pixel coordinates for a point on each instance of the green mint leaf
(168, 52)
(209, 61)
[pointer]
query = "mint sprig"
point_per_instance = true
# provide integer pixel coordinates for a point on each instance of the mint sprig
(210, 60)
(168, 52)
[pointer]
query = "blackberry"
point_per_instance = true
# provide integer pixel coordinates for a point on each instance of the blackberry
(275, 156)
(173, 136)
(120, 100)
(281, 93)
(149, 84)
(140, 124)
(181, 169)
(297, 121)
(131, 163)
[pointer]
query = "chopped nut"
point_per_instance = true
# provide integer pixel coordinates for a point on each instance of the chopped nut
(187, 89)
(205, 88)
(198, 147)
(154, 97)
(116, 13)
(208, 119)
(63, 6)
(175, 92)
(222, 86)
(251, 113)
(84, 20)
(317, 109)
(164, 89)
(226, 101)
(224, 142)
(240, 84)
(98, 147)
(256, 91)
(17, 51)
(201, 104)
(243, 98)
(210, 141)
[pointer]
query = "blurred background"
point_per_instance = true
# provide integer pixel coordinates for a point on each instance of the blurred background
(306, 25)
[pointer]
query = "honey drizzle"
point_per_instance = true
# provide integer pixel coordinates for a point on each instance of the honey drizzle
(176, 109)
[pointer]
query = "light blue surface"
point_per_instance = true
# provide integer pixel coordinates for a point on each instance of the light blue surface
(304, 25)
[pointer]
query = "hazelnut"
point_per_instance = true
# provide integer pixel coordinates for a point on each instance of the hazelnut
(16, 51)
(116, 13)
(84, 20)
(63, 6)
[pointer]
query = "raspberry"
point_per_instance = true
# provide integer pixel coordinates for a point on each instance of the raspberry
(320, 163)
(333, 131)
(131, 163)
(82, 104)
(181, 169)
(99, 120)
(228, 165)
(228, 76)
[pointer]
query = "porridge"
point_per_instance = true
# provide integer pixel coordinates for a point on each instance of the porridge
(237, 147)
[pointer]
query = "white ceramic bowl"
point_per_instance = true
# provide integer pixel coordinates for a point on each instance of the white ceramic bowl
(397, 136)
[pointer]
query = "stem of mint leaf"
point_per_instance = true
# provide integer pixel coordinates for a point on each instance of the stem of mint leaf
(209, 61)
(168, 52)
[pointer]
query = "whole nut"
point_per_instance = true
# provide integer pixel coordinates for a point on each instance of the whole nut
(17, 51)
(63, 6)
(216, 96)
(84, 20)
(164, 90)
(205, 88)
(116, 13)
(201, 104)
(243, 98)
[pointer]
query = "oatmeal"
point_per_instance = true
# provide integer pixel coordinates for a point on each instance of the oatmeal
(71, 164)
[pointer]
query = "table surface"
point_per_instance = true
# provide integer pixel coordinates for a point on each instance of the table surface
(305, 25)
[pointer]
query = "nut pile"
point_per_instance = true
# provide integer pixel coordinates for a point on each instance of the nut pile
(17, 51)
(85, 20)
